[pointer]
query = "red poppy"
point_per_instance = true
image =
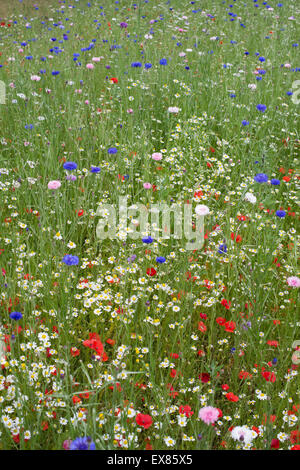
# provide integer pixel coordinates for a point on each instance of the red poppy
(231, 397)
(186, 410)
(151, 272)
(230, 326)
(143, 420)
(74, 352)
(202, 327)
(95, 343)
(204, 377)
(275, 444)
(269, 376)
(114, 80)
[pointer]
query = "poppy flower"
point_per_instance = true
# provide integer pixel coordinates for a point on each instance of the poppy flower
(151, 272)
(231, 397)
(143, 420)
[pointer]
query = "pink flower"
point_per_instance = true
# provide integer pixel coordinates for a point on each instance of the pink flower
(209, 414)
(130, 111)
(54, 184)
(156, 156)
(293, 281)
(201, 209)
(87, 102)
(96, 59)
(90, 66)
(35, 78)
(147, 185)
(173, 109)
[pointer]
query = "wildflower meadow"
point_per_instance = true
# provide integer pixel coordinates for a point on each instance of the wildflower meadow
(149, 225)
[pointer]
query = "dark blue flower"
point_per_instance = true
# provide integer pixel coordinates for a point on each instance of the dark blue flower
(245, 123)
(147, 240)
(70, 166)
(275, 182)
(289, 93)
(70, 260)
(55, 72)
(261, 178)
(148, 66)
(136, 64)
(280, 214)
(261, 107)
(95, 169)
(160, 259)
(112, 150)
(163, 61)
(222, 249)
(82, 443)
(262, 59)
(16, 316)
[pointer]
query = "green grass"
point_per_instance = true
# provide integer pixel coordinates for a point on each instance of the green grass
(206, 149)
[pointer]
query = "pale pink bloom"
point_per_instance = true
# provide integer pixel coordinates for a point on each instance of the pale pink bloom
(78, 91)
(201, 209)
(55, 184)
(287, 66)
(86, 102)
(173, 109)
(21, 50)
(90, 66)
(209, 414)
(96, 59)
(130, 111)
(293, 281)
(26, 144)
(35, 78)
(182, 54)
(12, 85)
(147, 185)
(157, 156)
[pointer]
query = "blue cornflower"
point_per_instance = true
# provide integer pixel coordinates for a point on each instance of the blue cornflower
(147, 240)
(160, 259)
(163, 61)
(261, 107)
(70, 166)
(262, 59)
(112, 150)
(95, 169)
(289, 93)
(16, 316)
(261, 178)
(222, 249)
(55, 72)
(245, 123)
(70, 260)
(148, 66)
(280, 214)
(136, 64)
(275, 182)
(82, 443)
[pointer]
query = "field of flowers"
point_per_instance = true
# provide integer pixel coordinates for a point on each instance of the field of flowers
(143, 343)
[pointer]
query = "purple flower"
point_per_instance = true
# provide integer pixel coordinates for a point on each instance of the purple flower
(261, 107)
(70, 260)
(261, 178)
(16, 316)
(83, 443)
(70, 166)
